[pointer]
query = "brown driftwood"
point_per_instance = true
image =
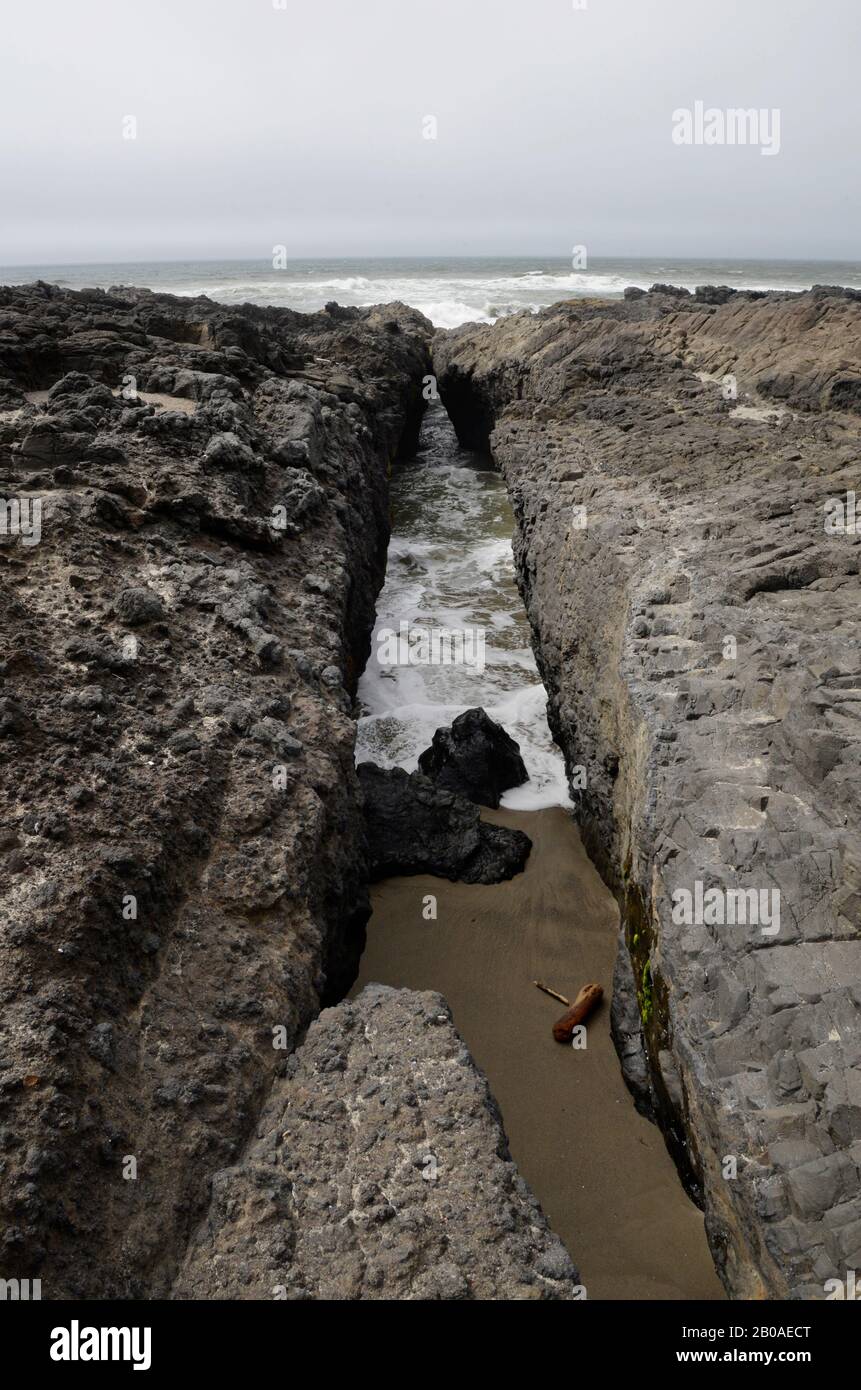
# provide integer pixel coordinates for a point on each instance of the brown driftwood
(588, 999)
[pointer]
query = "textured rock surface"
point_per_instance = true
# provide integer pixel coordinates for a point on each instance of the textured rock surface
(182, 851)
(474, 757)
(655, 521)
(416, 827)
(380, 1171)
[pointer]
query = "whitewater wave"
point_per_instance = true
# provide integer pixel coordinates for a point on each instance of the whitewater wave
(449, 292)
(450, 565)
(447, 302)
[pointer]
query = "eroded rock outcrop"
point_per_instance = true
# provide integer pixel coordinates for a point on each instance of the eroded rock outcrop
(184, 874)
(380, 1171)
(672, 461)
(475, 758)
(416, 827)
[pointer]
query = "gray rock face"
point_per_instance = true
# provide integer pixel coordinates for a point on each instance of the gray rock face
(380, 1171)
(183, 854)
(416, 827)
(672, 463)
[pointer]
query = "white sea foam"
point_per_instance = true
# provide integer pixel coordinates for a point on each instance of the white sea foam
(450, 565)
(449, 291)
(448, 301)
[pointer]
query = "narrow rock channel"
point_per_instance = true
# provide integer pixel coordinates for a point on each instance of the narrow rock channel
(600, 1170)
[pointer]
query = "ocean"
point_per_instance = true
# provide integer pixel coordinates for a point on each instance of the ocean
(449, 290)
(451, 567)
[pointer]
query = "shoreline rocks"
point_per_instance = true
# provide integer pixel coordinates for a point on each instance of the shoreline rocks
(184, 873)
(183, 848)
(414, 826)
(474, 758)
(380, 1171)
(671, 461)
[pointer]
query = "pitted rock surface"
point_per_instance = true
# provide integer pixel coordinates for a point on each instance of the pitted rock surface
(380, 1171)
(183, 854)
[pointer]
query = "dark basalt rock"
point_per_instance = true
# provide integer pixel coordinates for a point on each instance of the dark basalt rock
(416, 827)
(135, 606)
(671, 291)
(175, 702)
(476, 758)
(713, 294)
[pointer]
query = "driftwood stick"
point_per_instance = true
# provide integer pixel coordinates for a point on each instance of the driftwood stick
(548, 990)
(588, 999)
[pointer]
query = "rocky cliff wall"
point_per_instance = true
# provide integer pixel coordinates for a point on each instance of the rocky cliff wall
(672, 462)
(183, 867)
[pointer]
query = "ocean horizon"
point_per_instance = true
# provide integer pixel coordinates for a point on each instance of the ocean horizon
(450, 290)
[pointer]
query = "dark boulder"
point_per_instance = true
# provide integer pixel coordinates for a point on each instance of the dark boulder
(671, 291)
(416, 827)
(135, 606)
(475, 758)
(713, 294)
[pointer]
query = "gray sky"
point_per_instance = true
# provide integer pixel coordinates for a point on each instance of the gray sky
(302, 126)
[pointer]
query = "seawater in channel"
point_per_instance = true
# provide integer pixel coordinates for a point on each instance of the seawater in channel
(450, 566)
(600, 1171)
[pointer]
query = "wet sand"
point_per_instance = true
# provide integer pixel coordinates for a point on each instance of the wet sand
(601, 1171)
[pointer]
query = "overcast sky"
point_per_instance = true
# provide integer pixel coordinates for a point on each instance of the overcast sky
(303, 126)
